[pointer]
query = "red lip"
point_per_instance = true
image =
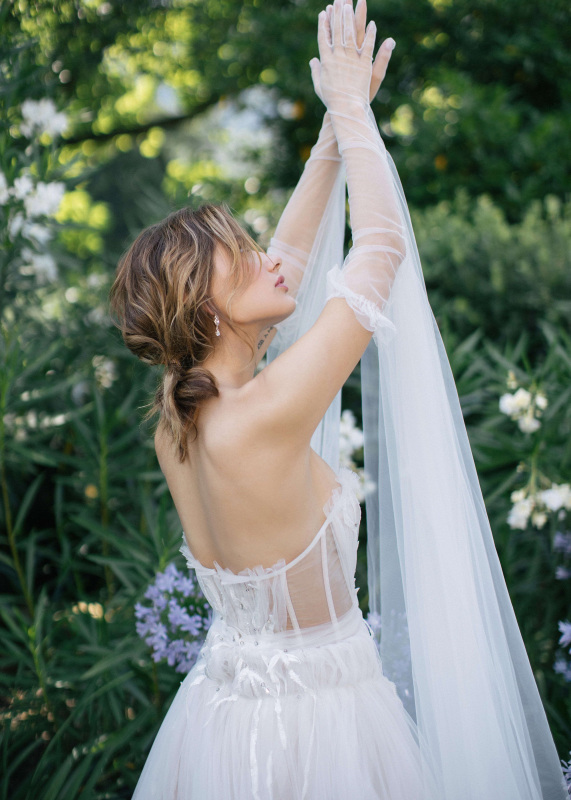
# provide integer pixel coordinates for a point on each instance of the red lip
(280, 280)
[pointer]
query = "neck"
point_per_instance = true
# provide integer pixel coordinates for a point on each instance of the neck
(232, 363)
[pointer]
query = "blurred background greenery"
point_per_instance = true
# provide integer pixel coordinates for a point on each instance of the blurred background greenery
(174, 102)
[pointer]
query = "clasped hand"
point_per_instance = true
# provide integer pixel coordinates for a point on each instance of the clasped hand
(344, 71)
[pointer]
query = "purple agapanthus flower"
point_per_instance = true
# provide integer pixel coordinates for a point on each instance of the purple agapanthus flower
(562, 542)
(567, 772)
(565, 630)
(175, 624)
(563, 667)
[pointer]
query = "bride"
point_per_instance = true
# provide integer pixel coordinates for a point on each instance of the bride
(290, 697)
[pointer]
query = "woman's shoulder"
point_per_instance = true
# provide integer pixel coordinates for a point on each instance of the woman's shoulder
(227, 424)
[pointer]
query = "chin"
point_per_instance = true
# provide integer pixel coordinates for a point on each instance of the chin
(287, 312)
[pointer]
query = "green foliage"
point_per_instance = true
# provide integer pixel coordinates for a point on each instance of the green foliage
(483, 272)
(508, 459)
(477, 93)
(82, 699)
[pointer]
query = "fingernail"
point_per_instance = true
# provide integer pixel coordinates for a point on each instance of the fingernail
(391, 44)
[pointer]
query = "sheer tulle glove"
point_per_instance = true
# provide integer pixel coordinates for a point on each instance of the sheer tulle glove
(342, 75)
(298, 225)
(382, 58)
(342, 79)
(296, 233)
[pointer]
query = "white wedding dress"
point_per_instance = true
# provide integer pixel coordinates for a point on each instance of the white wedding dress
(288, 699)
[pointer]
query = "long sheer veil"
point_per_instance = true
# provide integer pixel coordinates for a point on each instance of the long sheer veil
(449, 638)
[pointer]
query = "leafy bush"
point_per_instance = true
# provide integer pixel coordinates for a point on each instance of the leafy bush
(482, 272)
(525, 476)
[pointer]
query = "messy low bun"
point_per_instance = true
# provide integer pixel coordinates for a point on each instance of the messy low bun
(162, 304)
(178, 398)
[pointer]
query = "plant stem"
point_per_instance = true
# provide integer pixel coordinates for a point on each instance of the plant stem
(6, 498)
(34, 647)
(104, 496)
(156, 689)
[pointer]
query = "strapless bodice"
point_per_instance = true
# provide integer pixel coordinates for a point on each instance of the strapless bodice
(303, 599)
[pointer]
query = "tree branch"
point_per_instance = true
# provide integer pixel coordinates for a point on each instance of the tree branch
(166, 122)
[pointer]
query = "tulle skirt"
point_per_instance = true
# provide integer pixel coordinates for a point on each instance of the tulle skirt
(253, 721)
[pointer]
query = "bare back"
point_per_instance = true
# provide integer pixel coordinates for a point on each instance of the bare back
(244, 498)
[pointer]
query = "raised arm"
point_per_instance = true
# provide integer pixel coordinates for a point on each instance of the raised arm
(377, 225)
(302, 382)
(300, 220)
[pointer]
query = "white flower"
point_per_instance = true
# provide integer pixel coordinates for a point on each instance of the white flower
(511, 380)
(538, 519)
(105, 371)
(514, 404)
(36, 232)
(45, 200)
(42, 116)
(519, 513)
(4, 193)
(348, 429)
(541, 401)
(49, 421)
(557, 497)
(521, 399)
(15, 225)
(507, 405)
(350, 438)
(366, 485)
(528, 423)
(22, 187)
(40, 264)
(518, 495)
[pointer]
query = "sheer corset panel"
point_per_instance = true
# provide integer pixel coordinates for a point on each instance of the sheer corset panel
(312, 592)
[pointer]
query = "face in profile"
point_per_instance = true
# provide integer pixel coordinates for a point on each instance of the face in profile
(262, 300)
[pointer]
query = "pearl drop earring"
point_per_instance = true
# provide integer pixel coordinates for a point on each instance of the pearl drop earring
(217, 323)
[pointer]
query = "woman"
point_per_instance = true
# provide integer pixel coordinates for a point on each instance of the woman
(288, 698)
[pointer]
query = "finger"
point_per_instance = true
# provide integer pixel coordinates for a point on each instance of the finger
(348, 26)
(337, 22)
(369, 42)
(378, 73)
(329, 22)
(322, 38)
(360, 21)
(380, 65)
(315, 67)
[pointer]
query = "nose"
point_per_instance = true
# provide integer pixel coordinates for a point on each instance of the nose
(276, 263)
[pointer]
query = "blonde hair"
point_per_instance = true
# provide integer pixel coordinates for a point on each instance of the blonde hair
(159, 301)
